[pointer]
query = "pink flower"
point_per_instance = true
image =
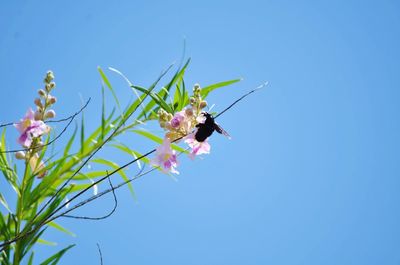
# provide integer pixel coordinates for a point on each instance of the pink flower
(180, 125)
(198, 148)
(166, 157)
(178, 118)
(30, 128)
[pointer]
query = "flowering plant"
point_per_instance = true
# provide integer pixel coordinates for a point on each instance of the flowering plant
(52, 186)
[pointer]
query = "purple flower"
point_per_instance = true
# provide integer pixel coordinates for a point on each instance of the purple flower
(30, 128)
(177, 119)
(166, 158)
(198, 148)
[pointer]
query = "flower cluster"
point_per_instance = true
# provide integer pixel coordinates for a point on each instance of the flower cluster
(32, 127)
(181, 125)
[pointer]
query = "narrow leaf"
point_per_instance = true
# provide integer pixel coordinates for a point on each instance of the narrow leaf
(46, 242)
(105, 79)
(56, 257)
(60, 228)
(158, 140)
(206, 90)
(120, 172)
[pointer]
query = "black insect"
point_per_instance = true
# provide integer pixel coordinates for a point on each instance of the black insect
(207, 128)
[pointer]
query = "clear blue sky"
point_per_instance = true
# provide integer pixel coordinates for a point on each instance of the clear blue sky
(312, 173)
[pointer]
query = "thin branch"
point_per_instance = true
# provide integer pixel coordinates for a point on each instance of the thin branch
(101, 217)
(50, 121)
(70, 118)
(242, 97)
(6, 124)
(101, 255)
(101, 194)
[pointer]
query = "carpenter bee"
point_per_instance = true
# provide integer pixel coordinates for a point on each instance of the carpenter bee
(207, 128)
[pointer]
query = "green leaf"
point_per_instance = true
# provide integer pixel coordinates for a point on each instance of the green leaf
(103, 110)
(115, 166)
(82, 134)
(79, 187)
(60, 228)
(70, 141)
(178, 75)
(30, 261)
(131, 152)
(206, 90)
(41, 190)
(130, 85)
(46, 242)
(177, 98)
(56, 257)
(133, 107)
(159, 100)
(151, 88)
(105, 79)
(55, 204)
(88, 175)
(4, 229)
(5, 167)
(44, 149)
(4, 202)
(163, 93)
(31, 240)
(185, 96)
(158, 140)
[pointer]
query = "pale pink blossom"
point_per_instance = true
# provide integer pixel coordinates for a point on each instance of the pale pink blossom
(198, 148)
(166, 158)
(180, 125)
(177, 120)
(30, 128)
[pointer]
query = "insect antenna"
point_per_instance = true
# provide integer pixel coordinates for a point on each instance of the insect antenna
(242, 97)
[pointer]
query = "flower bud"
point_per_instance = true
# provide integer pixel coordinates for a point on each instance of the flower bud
(53, 100)
(20, 155)
(169, 116)
(38, 102)
(203, 104)
(48, 87)
(196, 87)
(189, 112)
(162, 115)
(41, 93)
(52, 85)
(38, 115)
(192, 100)
(49, 77)
(50, 99)
(168, 126)
(50, 114)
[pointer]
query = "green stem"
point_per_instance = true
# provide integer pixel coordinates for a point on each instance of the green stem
(20, 210)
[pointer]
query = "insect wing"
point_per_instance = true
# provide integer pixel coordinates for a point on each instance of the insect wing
(221, 131)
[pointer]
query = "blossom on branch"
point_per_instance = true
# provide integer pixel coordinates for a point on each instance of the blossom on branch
(166, 157)
(198, 148)
(30, 128)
